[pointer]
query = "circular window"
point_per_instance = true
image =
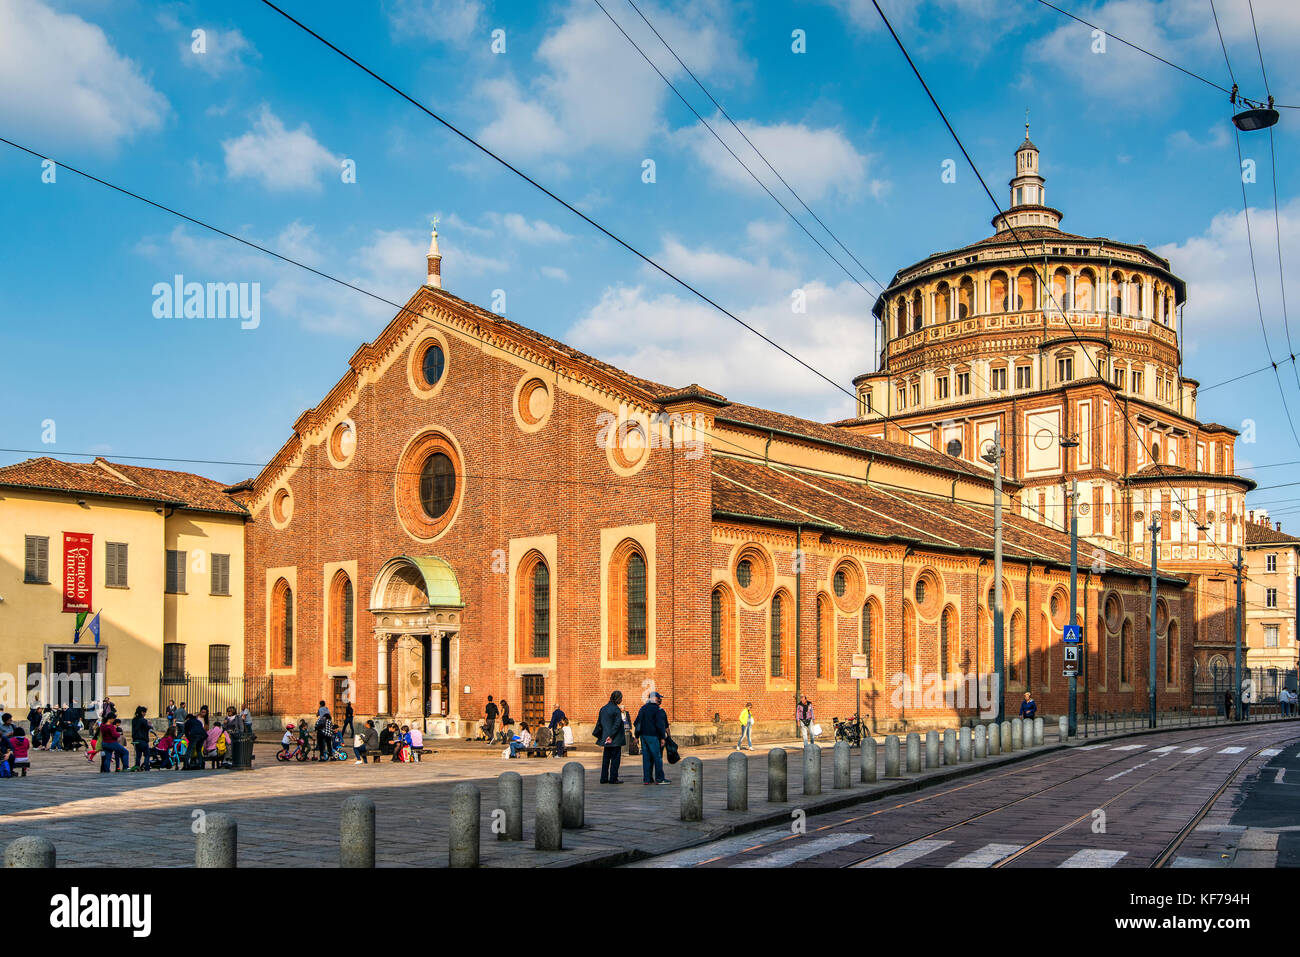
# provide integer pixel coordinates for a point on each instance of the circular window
(1138, 516)
(1043, 439)
(1113, 613)
(433, 364)
(629, 444)
(437, 485)
(745, 574)
(282, 505)
(532, 404)
(841, 583)
(429, 486)
(954, 448)
(754, 574)
(343, 442)
(848, 585)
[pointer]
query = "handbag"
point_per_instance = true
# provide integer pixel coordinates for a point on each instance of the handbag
(670, 746)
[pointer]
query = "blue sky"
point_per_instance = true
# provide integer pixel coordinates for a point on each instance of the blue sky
(252, 133)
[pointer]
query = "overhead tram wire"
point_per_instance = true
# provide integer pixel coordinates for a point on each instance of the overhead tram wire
(1155, 56)
(725, 146)
(752, 145)
(581, 215)
(998, 206)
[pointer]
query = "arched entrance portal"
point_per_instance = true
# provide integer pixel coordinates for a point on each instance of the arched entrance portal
(417, 606)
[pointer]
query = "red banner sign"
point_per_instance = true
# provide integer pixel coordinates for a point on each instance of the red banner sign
(78, 562)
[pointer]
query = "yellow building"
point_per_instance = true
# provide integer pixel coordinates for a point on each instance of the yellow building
(158, 555)
(1272, 564)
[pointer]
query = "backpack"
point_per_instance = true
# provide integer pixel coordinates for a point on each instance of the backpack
(221, 745)
(5, 772)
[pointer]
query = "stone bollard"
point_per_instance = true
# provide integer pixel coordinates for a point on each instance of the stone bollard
(573, 785)
(868, 770)
(548, 827)
(842, 775)
(995, 739)
(891, 756)
(1038, 732)
(776, 776)
(737, 781)
(692, 773)
(463, 835)
(964, 744)
(913, 753)
(30, 851)
(950, 747)
(1018, 734)
(357, 832)
(812, 769)
(215, 843)
(510, 798)
(1063, 728)
(980, 737)
(932, 749)
(1004, 738)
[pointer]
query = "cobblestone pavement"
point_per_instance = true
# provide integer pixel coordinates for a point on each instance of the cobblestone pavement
(288, 814)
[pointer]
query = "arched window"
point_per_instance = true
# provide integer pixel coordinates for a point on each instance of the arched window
(1025, 283)
(900, 317)
(629, 633)
(823, 633)
(942, 303)
(916, 310)
(1125, 647)
(282, 624)
(870, 615)
(965, 298)
(720, 633)
(1116, 293)
(778, 635)
(1061, 288)
(1016, 670)
(541, 598)
(1085, 285)
(1171, 655)
(1138, 301)
(533, 608)
(947, 636)
(998, 289)
(342, 618)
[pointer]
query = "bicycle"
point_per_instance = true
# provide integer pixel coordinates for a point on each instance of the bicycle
(299, 752)
(847, 731)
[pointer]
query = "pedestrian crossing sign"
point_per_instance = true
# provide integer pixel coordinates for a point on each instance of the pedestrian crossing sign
(1072, 635)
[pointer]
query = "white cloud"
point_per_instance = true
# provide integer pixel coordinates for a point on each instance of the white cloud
(63, 80)
(453, 20)
(279, 159)
(671, 337)
(1217, 137)
(225, 51)
(555, 272)
(537, 231)
(813, 161)
(595, 91)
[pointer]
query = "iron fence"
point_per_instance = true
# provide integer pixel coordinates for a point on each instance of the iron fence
(217, 693)
(1211, 685)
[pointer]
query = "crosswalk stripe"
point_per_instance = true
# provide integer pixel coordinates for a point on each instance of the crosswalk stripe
(900, 856)
(802, 850)
(1232, 750)
(1093, 858)
(1165, 750)
(1089, 747)
(1195, 862)
(987, 856)
(1130, 747)
(1196, 750)
(1270, 752)
(724, 848)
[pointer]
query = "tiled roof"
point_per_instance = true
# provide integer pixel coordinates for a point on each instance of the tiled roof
(762, 419)
(101, 477)
(744, 488)
(1268, 535)
(1159, 472)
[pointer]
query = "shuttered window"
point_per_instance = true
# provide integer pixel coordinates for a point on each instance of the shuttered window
(175, 572)
(636, 605)
(115, 565)
(541, 611)
(36, 569)
(173, 662)
(220, 574)
(776, 636)
(219, 663)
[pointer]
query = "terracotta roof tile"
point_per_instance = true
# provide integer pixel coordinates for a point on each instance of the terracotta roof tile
(1268, 535)
(101, 477)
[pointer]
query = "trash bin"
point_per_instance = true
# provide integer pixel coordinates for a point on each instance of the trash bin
(241, 752)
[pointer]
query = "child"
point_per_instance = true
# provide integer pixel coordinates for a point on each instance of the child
(286, 742)
(417, 743)
(567, 736)
(19, 744)
(404, 744)
(179, 747)
(162, 749)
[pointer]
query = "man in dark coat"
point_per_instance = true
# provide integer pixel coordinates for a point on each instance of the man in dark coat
(652, 731)
(608, 733)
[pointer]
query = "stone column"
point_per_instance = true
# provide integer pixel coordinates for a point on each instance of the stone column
(453, 678)
(436, 690)
(381, 651)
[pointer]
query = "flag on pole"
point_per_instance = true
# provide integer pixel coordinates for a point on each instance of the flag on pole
(76, 629)
(93, 627)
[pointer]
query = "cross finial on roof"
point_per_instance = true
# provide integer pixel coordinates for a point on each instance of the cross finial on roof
(1026, 122)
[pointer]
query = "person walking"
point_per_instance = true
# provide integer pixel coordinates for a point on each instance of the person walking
(110, 746)
(746, 726)
(181, 715)
(609, 734)
(325, 737)
(803, 714)
(1227, 705)
(1247, 697)
(490, 713)
(246, 716)
(34, 715)
(140, 730)
(557, 716)
(1029, 707)
(171, 711)
(347, 718)
(651, 727)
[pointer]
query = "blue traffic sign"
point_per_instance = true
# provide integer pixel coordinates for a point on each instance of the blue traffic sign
(1072, 635)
